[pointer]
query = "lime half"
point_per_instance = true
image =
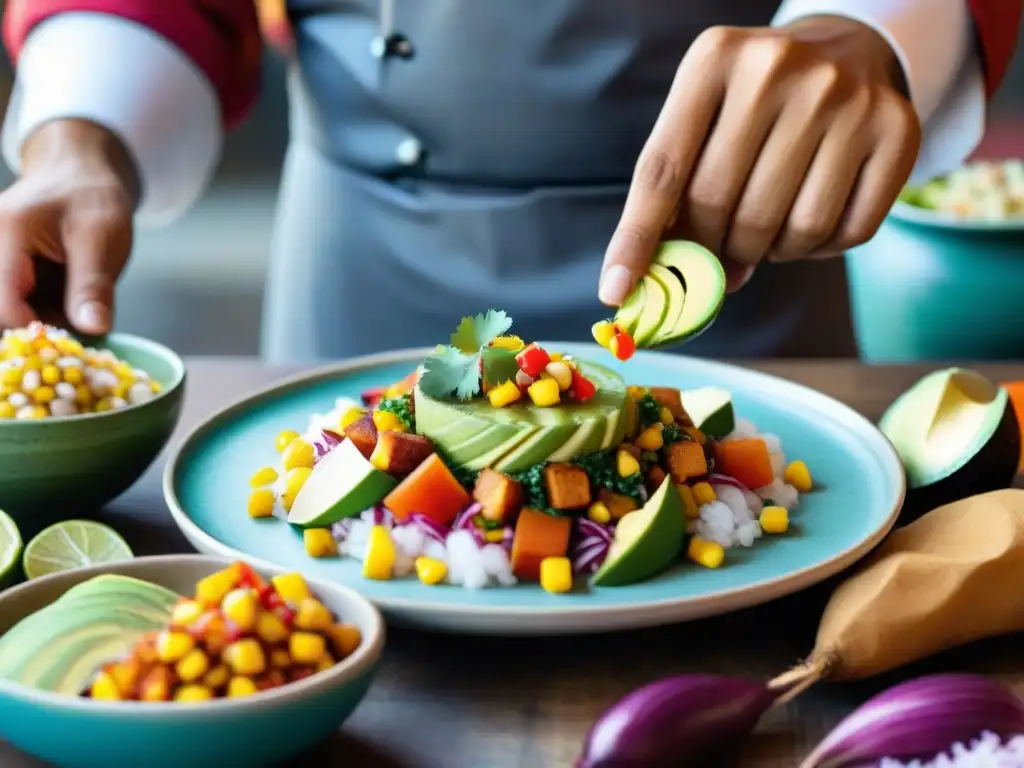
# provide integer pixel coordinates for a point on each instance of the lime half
(73, 544)
(10, 547)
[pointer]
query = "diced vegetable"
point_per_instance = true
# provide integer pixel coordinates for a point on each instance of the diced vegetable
(599, 513)
(685, 459)
(622, 344)
(690, 505)
(567, 485)
(533, 360)
(261, 503)
(263, 477)
(284, 439)
(703, 494)
(603, 332)
(747, 460)
(561, 373)
(363, 434)
(650, 439)
(799, 476)
(582, 388)
(387, 421)
(544, 393)
(299, 453)
(618, 504)
(430, 571)
(556, 574)
(774, 519)
(505, 394)
(710, 554)
(319, 542)
(431, 490)
(380, 554)
(538, 536)
(499, 495)
(399, 453)
(671, 398)
(626, 463)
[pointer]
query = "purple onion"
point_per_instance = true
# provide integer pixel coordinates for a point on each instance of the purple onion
(341, 529)
(589, 559)
(919, 720)
(429, 526)
(588, 528)
(684, 720)
(383, 516)
(716, 479)
(510, 535)
(327, 442)
(465, 518)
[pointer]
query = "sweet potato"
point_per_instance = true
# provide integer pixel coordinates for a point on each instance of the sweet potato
(399, 453)
(363, 434)
(746, 460)
(431, 490)
(672, 398)
(685, 459)
(617, 504)
(538, 535)
(499, 495)
(567, 485)
(655, 477)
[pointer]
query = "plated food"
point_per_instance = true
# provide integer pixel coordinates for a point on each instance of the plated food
(981, 190)
(498, 462)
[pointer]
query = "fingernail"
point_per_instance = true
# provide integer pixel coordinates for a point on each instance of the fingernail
(93, 317)
(615, 285)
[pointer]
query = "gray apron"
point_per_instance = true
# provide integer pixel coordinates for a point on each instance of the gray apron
(455, 155)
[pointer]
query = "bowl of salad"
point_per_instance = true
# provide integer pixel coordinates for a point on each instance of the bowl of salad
(940, 278)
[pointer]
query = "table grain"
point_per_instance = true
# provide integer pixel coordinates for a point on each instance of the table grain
(446, 701)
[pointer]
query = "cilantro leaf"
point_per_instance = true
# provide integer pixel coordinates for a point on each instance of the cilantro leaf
(478, 331)
(448, 370)
(469, 382)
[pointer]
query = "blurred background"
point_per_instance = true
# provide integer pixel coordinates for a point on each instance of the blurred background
(198, 284)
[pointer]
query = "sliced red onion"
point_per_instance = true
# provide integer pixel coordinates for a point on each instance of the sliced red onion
(341, 529)
(510, 535)
(465, 518)
(327, 442)
(383, 516)
(429, 526)
(716, 479)
(588, 528)
(589, 559)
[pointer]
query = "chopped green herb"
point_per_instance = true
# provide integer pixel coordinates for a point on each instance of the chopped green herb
(672, 433)
(401, 406)
(600, 468)
(648, 410)
(534, 491)
(455, 369)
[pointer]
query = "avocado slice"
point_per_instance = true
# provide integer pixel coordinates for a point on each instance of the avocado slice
(647, 540)
(653, 313)
(342, 484)
(629, 313)
(957, 435)
(710, 410)
(703, 282)
(676, 293)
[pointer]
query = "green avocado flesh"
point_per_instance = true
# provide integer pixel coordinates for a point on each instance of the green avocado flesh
(474, 434)
(647, 540)
(953, 420)
(342, 484)
(710, 409)
(680, 296)
(60, 648)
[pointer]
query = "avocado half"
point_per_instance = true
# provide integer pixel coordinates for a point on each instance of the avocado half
(957, 435)
(680, 296)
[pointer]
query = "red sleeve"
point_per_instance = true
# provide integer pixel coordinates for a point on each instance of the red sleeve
(221, 37)
(997, 22)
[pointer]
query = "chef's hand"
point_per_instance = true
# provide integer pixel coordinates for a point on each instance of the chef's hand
(775, 144)
(69, 213)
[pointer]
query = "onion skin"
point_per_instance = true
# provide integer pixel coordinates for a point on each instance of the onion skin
(682, 720)
(919, 720)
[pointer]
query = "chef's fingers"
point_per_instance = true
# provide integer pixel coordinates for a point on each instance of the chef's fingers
(17, 276)
(97, 241)
(663, 169)
(736, 275)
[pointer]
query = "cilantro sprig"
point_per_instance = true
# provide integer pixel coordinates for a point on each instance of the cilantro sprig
(455, 369)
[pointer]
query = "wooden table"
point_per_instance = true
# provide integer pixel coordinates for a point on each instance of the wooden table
(442, 701)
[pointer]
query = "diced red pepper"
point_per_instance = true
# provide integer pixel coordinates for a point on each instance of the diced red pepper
(622, 345)
(582, 388)
(269, 598)
(533, 360)
(247, 577)
(286, 615)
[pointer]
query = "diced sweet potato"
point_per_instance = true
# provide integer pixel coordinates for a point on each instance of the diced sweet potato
(617, 504)
(399, 453)
(672, 398)
(685, 459)
(363, 434)
(568, 486)
(538, 535)
(431, 490)
(499, 495)
(655, 477)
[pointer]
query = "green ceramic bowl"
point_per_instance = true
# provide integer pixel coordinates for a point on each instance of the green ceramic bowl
(260, 730)
(933, 287)
(58, 468)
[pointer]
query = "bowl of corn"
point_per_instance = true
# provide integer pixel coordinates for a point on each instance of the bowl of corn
(80, 423)
(156, 702)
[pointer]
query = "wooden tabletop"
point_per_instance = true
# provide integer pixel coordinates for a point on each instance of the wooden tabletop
(442, 701)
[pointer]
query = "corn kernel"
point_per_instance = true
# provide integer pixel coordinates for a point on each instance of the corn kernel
(561, 373)
(11, 376)
(193, 693)
(50, 375)
(504, 394)
(511, 343)
(156, 685)
(799, 476)
(279, 659)
(240, 606)
(261, 503)
(666, 417)
(7, 411)
(212, 589)
(556, 574)
(245, 657)
(33, 363)
(74, 375)
(603, 332)
(313, 615)
(126, 675)
(283, 439)
(386, 421)
(494, 537)
(239, 687)
(262, 477)
(173, 646)
(690, 506)
(626, 464)
(306, 648)
(651, 438)
(557, 357)
(710, 554)
(104, 687)
(351, 416)
(347, 637)
(545, 393)
(83, 395)
(193, 666)
(217, 677)
(185, 612)
(774, 520)
(294, 481)
(291, 587)
(319, 542)
(430, 570)
(703, 494)
(380, 554)
(599, 513)
(299, 453)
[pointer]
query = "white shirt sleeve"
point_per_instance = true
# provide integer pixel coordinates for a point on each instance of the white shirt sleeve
(934, 41)
(135, 83)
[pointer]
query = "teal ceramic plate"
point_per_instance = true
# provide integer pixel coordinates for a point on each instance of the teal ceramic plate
(862, 481)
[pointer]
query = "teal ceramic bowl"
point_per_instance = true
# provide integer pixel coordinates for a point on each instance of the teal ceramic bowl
(933, 287)
(260, 730)
(58, 468)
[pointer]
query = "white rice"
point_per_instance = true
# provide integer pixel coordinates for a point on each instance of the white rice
(987, 751)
